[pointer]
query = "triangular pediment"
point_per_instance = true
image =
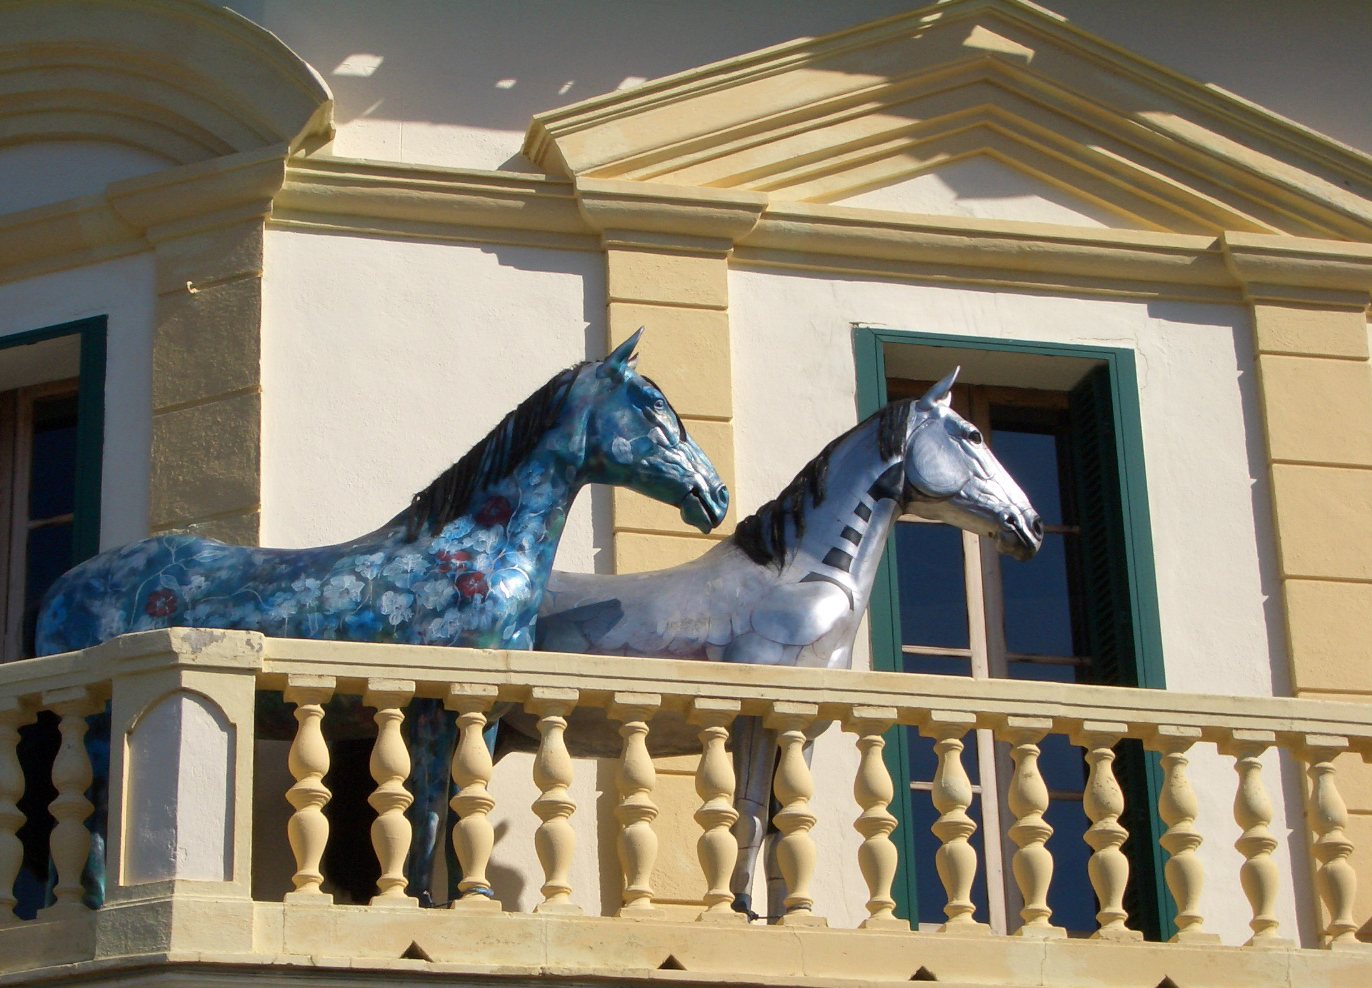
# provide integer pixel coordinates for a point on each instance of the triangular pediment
(870, 113)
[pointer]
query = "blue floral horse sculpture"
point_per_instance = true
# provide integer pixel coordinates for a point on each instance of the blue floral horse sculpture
(465, 564)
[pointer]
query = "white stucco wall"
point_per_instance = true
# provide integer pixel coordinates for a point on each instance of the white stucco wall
(1208, 497)
(122, 290)
(383, 362)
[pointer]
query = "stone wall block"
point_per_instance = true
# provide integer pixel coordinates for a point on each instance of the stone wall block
(638, 552)
(1323, 521)
(1310, 332)
(206, 460)
(690, 280)
(220, 253)
(207, 342)
(1330, 647)
(1318, 410)
(685, 351)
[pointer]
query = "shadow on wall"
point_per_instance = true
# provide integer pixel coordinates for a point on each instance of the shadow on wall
(496, 65)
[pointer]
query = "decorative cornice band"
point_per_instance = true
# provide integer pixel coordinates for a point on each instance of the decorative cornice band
(337, 192)
(993, 250)
(1283, 269)
(136, 214)
(615, 207)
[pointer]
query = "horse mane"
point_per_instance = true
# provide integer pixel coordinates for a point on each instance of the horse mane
(490, 460)
(762, 535)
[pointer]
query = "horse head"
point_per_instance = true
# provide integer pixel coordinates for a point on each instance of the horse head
(635, 439)
(951, 476)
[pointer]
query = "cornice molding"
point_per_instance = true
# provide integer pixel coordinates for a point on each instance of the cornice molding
(1319, 273)
(653, 214)
(819, 119)
(137, 214)
(1112, 262)
(413, 202)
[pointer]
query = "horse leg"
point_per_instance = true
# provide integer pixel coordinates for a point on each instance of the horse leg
(754, 763)
(433, 731)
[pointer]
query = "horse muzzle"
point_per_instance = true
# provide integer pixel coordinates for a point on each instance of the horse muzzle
(1020, 534)
(705, 507)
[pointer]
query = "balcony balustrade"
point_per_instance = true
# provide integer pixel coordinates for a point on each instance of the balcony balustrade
(181, 793)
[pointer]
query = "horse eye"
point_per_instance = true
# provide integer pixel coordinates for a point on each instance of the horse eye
(974, 437)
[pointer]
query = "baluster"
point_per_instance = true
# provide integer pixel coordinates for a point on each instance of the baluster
(636, 810)
(554, 840)
(13, 715)
(1253, 812)
(308, 828)
(873, 790)
(1335, 878)
(793, 786)
(1103, 801)
(70, 843)
(1028, 797)
(956, 859)
(1177, 806)
(473, 835)
(390, 765)
(716, 848)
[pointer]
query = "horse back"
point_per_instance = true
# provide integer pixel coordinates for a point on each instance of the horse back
(120, 590)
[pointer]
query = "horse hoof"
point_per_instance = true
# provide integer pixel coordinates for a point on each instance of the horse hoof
(426, 900)
(743, 904)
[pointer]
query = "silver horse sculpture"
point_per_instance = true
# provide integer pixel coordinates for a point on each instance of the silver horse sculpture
(791, 584)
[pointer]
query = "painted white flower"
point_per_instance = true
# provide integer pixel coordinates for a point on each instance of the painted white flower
(369, 566)
(342, 591)
(434, 594)
(306, 589)
(397, 606)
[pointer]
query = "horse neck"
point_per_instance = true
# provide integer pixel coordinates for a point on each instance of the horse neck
(845, 534)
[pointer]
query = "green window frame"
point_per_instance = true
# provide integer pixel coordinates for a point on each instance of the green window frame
(1135, 575)
(92, 334)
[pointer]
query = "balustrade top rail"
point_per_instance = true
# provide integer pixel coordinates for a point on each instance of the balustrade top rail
(835, 693)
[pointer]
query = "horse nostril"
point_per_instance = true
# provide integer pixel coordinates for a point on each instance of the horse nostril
(1037, 526)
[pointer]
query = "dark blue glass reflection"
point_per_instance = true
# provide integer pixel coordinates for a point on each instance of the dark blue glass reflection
(49, 556)
(938, 665)
(52, 475)
(933, 601)
(1032, 459)
(1038, 607)
(1070, 895)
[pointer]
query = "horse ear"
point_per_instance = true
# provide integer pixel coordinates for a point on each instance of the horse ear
(941, 393)
(623, 358)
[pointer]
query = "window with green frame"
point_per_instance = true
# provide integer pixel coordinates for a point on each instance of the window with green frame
(1064, 421)
(52, 410)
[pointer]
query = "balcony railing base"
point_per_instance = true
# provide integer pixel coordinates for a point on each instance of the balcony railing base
(232, 940)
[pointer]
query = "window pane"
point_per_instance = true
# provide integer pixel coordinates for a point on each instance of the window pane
(933, 601)
(929, 889)
(52, 477)
(49, 556)
(1038, 607)
(1032, 459)
(938, 665)
(1070, 895)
